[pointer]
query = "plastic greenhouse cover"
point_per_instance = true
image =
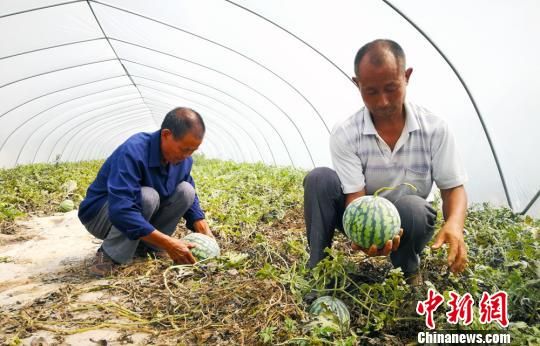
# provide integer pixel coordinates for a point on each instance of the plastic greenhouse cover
(271, 78)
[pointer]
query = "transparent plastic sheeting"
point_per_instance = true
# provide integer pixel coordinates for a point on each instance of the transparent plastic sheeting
(271, 78)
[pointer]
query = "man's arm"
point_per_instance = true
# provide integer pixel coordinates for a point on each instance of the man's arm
(352, 196)
(454, 210)
(195, 218)
(201, 226)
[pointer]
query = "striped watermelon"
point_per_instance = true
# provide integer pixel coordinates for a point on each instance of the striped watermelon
(371, 220)
(206, 247)
(66, 205)
(334, 306)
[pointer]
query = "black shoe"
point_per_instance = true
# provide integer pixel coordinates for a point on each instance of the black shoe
(102, 265)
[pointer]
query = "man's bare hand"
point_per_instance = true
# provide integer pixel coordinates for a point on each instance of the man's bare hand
(457, 251)
(391, 245)
(201, 226)
(180, 252)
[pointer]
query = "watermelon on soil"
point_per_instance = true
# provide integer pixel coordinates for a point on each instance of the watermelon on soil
(371, 220)
(332, 305)
(206, 246)
(66, 205)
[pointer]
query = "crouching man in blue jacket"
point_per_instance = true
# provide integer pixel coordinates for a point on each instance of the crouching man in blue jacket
(141, 192)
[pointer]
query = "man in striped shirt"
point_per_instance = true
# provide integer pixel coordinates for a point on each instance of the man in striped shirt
(389, 142)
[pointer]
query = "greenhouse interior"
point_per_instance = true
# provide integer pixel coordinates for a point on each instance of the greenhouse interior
(272, 81)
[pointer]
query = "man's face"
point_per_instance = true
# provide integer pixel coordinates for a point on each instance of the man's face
(176, 150)
(382, 87)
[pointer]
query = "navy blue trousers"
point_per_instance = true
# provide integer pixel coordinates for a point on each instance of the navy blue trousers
(324, 204)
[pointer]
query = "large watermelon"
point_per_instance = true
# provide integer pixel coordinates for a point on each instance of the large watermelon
(371, 220)
(334, 306)
(206, 247)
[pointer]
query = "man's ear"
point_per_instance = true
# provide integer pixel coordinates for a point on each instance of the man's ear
(166, 133)
(408, 73)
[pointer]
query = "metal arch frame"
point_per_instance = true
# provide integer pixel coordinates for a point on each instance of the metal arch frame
(214, 70)
(83, 41)
(108, 124)
(91, 149)
(136, 128)
(241, 156)
(124, 116)
(212, 150)
(57, 91)
(68, 132)
(218, 101)
(211, 108)
(40, 8)
(200, 37)
(77, 125)
(469, 94)
(216, 132)
(52, 47)
(318, 52)
(209, 141)
(224, 47)
(77, 114)
(531, 203)
(56, 105)
(138, 112)
(162, 105)
(221, 128)
(107, 114)
(386, 2)
(54, 71)
(115, 53)
(216, 148)
(229, 95)
(103, 153)
(234, 79)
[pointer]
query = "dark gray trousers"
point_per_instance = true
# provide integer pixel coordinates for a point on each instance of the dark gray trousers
(324, 204)
(163, 215)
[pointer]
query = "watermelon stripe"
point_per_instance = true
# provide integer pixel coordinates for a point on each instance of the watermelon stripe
(334, 306)
(369, 220)
(205, 246)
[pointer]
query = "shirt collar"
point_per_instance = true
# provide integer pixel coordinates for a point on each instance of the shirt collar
(154, 159)
(411, 121)
(369, 127)
(411, 124)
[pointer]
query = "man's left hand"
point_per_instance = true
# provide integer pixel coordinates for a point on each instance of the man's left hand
(201, 226)
(457, 251)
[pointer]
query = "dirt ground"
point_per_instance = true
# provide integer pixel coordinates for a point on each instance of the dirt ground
(45, 254)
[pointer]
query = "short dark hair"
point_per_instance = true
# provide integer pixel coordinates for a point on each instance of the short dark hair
(182, 120)
(377, 46)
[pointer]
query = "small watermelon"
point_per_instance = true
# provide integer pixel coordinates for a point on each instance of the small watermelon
(334, 306)
(206, 247)
(372, 220)
(66, 205)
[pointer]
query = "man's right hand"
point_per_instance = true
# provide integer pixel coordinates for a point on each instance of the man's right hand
(180, 252)
(391, 245)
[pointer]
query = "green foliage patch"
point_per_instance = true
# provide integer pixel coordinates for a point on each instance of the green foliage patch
(255, 292)
(40, 188)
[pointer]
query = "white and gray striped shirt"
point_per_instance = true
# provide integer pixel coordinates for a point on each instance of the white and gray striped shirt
(424, 153)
